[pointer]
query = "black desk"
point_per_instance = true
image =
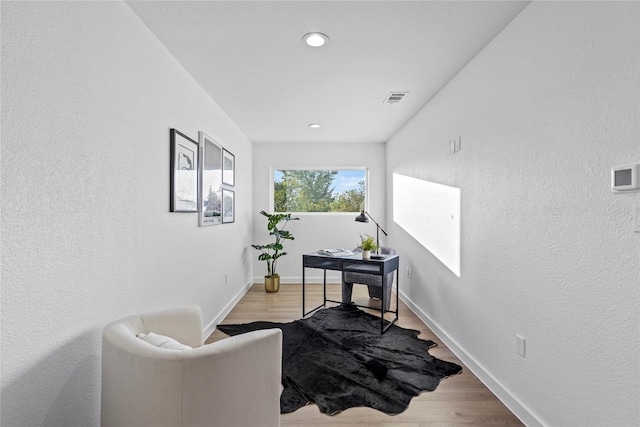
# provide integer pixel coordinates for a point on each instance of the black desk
(355, 264)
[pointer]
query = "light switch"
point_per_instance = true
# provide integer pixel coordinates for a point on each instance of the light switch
(636, 218)
(454, 145)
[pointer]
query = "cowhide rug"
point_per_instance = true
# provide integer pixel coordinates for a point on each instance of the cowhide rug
(337, 359)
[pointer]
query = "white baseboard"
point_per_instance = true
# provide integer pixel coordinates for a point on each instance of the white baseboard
(298, 280)
(514, 404)
(216, 320)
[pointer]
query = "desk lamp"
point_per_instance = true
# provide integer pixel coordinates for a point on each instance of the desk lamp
(363, 218)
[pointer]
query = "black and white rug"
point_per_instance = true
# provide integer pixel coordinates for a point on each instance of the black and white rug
(337, 359)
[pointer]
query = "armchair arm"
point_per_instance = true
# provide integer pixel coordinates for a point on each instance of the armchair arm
(235, 381)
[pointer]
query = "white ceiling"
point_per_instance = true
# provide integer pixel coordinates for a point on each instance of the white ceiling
(249, 56)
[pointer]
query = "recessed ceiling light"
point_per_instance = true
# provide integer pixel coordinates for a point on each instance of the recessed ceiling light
(315, 39)
(314, 125)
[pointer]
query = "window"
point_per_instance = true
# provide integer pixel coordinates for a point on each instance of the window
(319, 190)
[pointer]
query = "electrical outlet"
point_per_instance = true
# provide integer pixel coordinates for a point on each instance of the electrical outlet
(409, 273)
(226, 277)
(520, 345)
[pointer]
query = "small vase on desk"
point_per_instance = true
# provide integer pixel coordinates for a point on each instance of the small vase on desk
(366, 254)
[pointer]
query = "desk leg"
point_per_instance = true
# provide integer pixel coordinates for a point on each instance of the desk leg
(324, 289)
(397, 312)
(324, 302)
(382, 311)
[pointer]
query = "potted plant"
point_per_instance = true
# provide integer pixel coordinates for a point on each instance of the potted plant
(272, 251)
(367, 244)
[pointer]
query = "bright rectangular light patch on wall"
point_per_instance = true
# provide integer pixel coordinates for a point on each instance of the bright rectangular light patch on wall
(430, 213)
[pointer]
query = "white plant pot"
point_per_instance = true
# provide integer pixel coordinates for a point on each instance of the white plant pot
(366, 254)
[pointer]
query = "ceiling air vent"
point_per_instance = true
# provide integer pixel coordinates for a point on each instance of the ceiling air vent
(395, 97)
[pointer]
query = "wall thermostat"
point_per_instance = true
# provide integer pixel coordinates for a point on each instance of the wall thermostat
(625, 177)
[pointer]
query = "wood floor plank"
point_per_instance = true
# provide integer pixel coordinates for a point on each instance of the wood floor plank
(461, 400)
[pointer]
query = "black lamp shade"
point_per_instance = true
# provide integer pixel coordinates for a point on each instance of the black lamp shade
(362, 217)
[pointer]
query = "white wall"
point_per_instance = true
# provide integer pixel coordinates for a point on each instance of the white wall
(315, 231)
(88, 97)
(547, 250)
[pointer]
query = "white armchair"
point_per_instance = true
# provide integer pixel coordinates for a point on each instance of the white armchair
(232, 382)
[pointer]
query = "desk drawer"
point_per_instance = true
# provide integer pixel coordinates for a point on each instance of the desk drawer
(322, 262)
(359, 267)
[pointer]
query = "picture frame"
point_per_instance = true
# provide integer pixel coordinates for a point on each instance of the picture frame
(228, 206)
(183, 196)
(228, 167)
(210, 200)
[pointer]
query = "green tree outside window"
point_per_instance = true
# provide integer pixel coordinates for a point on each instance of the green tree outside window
(319, 190)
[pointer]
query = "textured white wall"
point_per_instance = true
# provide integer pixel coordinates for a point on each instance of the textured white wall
(315, 231)
(88, 97)
(547, 249)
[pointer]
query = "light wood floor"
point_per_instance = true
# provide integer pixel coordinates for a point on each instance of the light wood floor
(461, 400)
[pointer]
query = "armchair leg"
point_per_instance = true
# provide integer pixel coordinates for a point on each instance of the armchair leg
(347, 291)
(386, 288)
(375, 292)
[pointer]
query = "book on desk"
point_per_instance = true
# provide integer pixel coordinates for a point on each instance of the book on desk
(335, 252)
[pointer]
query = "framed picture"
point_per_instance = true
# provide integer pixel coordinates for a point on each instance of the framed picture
(210, 206)
(228, 206)
(228, 168)
(184, 173)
